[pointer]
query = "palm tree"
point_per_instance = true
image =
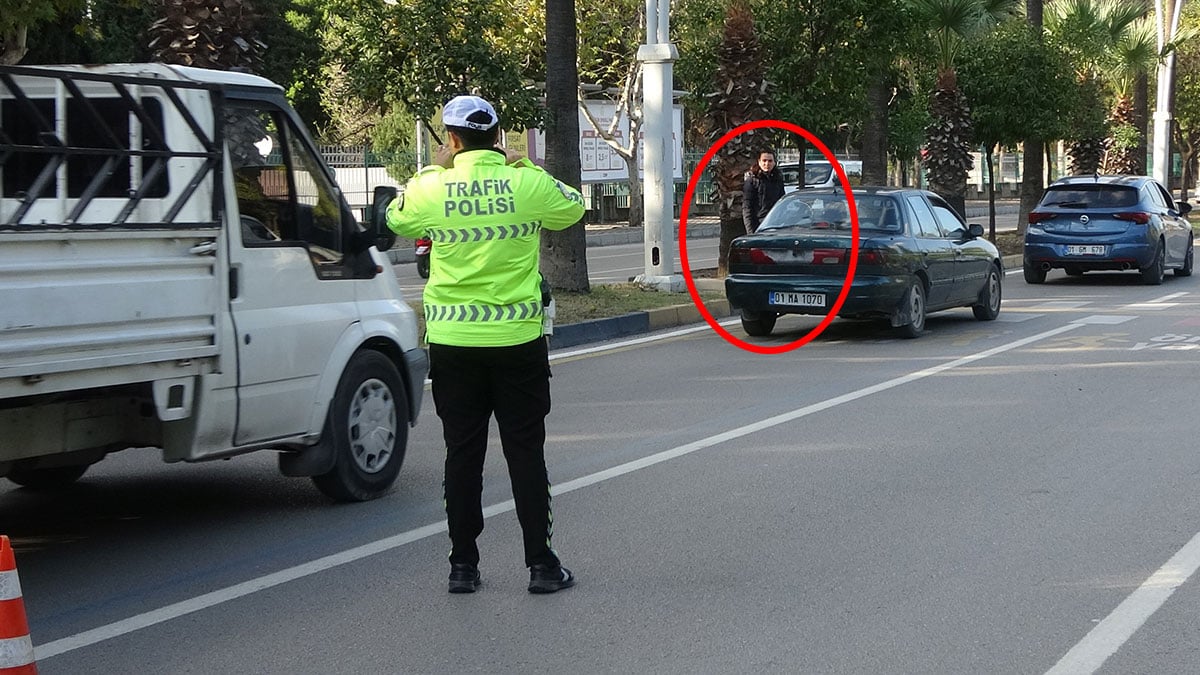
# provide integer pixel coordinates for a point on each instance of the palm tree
(740, 95)
(1134, 55)
(1090, 31)
(948, 158)
(217, 34)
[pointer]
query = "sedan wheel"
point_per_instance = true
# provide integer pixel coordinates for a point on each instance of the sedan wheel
(758, 324)
(914, 305)
(1154, 272)
(989, 298)
(1186, 270)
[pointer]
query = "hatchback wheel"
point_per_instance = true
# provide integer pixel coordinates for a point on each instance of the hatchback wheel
(1034, 274)
(758, 324)
(1186, 270)
(1153, 273)
(989, 298)
(914, 306)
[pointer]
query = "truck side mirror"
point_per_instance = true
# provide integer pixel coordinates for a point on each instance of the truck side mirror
(377, 217)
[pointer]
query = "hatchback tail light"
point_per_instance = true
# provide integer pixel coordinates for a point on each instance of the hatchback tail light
(1139, 217)
(1038, 216)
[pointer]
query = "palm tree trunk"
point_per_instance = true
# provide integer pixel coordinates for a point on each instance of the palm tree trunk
(1141, 116)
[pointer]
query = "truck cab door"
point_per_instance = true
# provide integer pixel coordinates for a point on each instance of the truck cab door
(292, 291)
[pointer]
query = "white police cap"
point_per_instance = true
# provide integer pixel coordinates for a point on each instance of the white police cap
(459, 108)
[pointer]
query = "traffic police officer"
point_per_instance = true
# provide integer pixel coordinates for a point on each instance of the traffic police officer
(484, 208)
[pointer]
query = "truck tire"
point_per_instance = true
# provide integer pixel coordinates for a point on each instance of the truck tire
(366, 429)
(48, 477)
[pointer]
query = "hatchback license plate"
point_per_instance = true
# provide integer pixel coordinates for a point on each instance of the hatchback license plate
(1086, 250)
(797, 299)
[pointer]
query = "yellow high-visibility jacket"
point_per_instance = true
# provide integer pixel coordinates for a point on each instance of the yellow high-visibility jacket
(484, 217)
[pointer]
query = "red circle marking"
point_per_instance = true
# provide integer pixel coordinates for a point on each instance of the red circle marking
(683, 215)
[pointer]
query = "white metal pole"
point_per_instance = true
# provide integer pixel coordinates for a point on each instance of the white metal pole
(657, 57)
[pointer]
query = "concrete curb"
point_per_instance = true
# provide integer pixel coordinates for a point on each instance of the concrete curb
(634, 323)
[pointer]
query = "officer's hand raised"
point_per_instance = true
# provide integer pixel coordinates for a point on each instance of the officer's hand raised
(444, 157)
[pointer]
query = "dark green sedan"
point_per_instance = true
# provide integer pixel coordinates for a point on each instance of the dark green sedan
(915, 255)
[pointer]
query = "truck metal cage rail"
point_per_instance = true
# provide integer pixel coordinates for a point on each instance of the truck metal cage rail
(72, 138)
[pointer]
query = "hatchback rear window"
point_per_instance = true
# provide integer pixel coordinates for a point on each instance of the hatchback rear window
(1090, 197)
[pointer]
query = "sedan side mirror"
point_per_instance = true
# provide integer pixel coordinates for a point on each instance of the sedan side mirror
(975, 230)
(1184, 208)
(377, 226)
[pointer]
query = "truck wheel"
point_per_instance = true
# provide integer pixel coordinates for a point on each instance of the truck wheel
(366, 429)
(48, 477)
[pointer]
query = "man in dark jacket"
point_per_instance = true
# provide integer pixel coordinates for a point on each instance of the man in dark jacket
(762, 188)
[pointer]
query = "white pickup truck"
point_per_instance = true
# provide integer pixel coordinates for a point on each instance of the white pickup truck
(179, 270)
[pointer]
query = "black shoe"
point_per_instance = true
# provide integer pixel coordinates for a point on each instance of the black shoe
(464, 578)
(546, 579)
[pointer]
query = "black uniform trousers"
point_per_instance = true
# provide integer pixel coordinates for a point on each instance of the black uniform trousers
(470, 384)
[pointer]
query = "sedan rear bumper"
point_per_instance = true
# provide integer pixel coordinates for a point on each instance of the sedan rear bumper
(869, 295)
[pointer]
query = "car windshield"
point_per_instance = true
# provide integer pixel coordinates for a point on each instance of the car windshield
(830, 211)
(1090, 197)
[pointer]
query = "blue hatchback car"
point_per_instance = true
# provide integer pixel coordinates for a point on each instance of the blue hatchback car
(1086, 223)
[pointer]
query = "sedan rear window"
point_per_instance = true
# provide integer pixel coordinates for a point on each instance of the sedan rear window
(1090, 197)
(830, 211)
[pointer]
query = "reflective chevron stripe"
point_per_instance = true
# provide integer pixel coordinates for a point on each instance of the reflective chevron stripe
(476, 313)
(447, 235)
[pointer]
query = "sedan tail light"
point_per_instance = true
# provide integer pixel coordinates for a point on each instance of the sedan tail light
(1138, 217)
(750, 256)
(872, 256)
(1038, 216)
(829, 256)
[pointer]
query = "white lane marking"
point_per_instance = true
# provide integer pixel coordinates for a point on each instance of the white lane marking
(1016, 317)
(1150, 306)
(1170, 296)
(1115, 630)
(184, 607)
(1060, 304)
(1105, 319)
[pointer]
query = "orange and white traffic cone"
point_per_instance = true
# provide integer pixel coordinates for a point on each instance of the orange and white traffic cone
(16, 647)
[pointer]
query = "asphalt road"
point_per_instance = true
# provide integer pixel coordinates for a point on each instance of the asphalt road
(995, 497)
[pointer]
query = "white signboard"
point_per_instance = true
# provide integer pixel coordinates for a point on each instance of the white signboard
(600, 163)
